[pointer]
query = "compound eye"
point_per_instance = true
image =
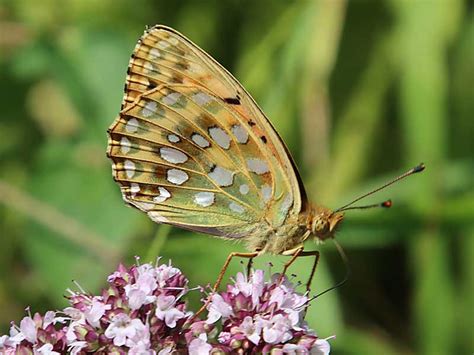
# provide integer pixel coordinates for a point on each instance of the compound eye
(322, 226)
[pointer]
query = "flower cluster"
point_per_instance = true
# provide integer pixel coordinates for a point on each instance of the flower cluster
(263, 317)
(143, 311)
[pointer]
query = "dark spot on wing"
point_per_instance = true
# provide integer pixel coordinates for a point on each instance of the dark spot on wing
(151, 85)
(177, 79)
(264, 139)
(182, 66)
(251, 123)
(232, 100)
(205, 120)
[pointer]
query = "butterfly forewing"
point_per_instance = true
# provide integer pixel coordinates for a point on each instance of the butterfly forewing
(191, 148)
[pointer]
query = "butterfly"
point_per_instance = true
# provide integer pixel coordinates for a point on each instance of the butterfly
(191, 148)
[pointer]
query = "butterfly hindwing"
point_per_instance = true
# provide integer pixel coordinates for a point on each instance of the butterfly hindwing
(191, 148)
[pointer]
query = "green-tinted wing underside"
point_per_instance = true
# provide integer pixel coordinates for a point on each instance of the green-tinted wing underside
(191, 148)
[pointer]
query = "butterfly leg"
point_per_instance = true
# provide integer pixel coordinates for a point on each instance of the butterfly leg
(299, 252)
(222, 273)
(226, 265)
(316, 254)
(294, 255)
(250, 263)
(249, 266)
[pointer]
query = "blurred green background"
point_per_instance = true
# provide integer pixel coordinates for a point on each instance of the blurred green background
(360, 91)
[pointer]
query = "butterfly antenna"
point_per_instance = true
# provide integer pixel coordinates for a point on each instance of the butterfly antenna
(385, 204)
(417, 169)
(346, 277)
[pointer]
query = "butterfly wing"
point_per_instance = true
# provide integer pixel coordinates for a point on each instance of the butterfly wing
(192, 148)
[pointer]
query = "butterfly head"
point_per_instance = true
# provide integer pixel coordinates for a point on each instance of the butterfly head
(325, 222)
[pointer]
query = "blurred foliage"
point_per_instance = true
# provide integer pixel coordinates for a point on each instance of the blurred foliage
(359, 91)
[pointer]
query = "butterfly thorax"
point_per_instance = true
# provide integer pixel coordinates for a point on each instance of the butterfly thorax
(319, 222)
(276, 240)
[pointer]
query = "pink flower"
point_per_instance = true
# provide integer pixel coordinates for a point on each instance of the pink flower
(252, 287)
(218, 308)
(141, 348)
(199, 346)
(165, 273)
(96, 311)
(166, 351)
(294, 349)
(49, 318)
(321, 347)
(9, 341)
(166, 311)
(288, 301)
(3, 341)
(75, 347)
(46, 349)
(28, 329)
(141, 292)
(276, 329)
(122, 328)
(251, 329)
(120, 274)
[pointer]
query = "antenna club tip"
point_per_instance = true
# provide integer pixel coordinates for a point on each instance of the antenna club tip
(386, 204)
(419, 168)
